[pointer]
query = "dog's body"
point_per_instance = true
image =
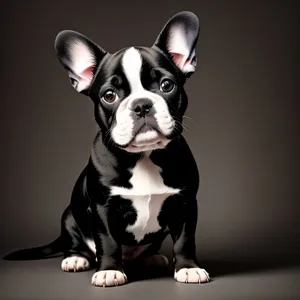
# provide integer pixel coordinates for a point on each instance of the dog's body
(141, 181)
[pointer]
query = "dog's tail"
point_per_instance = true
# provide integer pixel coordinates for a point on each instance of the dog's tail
(54, 249)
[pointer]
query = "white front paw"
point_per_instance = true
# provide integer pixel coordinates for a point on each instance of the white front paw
(192, 275)
(109, 278)
(74, 264)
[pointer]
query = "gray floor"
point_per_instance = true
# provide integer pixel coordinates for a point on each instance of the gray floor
(230, 280)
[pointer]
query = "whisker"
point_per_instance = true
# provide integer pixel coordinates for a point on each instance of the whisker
(177, 127)
(186, 117)
(178, 124)
(185, 127)
(185, 124)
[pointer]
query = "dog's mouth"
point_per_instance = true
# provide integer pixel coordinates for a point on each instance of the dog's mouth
(146, 139)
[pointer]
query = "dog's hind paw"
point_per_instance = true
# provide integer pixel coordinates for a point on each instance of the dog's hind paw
(75, 264)
(192, 275)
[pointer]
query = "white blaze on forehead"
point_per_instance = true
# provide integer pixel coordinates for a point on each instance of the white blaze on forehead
(132, 66)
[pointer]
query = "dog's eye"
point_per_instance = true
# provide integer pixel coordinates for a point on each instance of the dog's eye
(167, 86)
(110, 96)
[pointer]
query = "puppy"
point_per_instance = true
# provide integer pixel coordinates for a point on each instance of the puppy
(141, 180)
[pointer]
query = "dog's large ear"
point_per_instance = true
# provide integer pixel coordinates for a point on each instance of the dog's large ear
(178, 39)
(80, 56)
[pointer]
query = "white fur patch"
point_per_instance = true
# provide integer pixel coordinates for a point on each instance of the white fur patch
(192, 275)
(148, 208)
(75, 264)
(147, 194)
(91, 244)
(122, 133)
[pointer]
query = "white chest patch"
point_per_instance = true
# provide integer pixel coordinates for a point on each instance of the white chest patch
(147, 194)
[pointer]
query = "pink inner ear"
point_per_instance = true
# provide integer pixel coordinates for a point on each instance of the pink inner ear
(87, 74)
(177, 58)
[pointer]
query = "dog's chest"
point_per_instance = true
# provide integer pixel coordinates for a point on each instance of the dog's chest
(147, 194)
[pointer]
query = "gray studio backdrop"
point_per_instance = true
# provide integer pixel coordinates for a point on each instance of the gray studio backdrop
(242, 102)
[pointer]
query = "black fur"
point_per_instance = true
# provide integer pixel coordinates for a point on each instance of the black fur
(93, 213)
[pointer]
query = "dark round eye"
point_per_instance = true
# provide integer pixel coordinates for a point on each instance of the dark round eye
(109, 96)
(167, 85)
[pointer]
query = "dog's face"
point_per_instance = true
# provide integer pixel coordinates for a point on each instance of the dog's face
(138, 91)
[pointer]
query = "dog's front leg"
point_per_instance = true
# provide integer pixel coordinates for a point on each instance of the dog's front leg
(182, 224)
(106, 230)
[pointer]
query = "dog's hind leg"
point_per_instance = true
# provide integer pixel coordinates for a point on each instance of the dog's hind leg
(78, 256)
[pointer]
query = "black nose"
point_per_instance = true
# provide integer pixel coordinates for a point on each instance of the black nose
(142, 107)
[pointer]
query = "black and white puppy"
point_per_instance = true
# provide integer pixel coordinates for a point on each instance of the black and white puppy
(141, 180)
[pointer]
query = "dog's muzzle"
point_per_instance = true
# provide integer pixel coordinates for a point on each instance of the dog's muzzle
(147, 136)
(143, 124)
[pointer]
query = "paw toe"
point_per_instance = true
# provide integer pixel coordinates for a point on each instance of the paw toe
(75, 264)
(109, 278)
(192, 275)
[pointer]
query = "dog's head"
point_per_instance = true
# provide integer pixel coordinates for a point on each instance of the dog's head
(138, 91)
